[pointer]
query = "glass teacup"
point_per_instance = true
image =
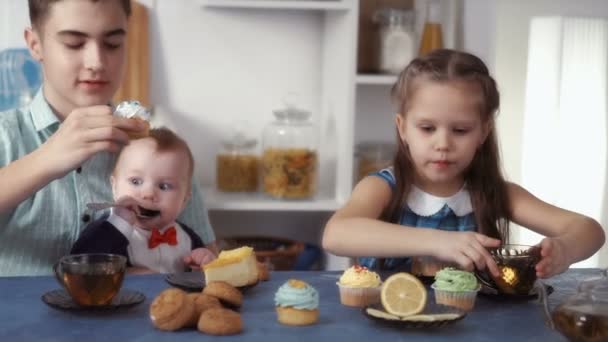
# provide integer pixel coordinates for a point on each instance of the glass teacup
(516, 264)
(91, 279)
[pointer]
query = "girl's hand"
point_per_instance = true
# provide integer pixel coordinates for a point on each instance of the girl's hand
(554, 258)
(199, 257)
(85, 132)
(468, 250)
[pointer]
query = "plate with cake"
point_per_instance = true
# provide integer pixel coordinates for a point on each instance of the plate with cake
(238, 267)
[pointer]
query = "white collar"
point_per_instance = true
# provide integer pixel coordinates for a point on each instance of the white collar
(425, 204)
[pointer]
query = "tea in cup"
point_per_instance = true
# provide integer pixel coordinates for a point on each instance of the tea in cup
(517, 266)
(91, 279)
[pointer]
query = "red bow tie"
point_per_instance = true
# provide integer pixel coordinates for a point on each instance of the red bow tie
(169, 236)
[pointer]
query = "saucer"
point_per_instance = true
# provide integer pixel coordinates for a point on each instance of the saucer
(493, 293)
(193, 281)
(60, 299)
(433, 316)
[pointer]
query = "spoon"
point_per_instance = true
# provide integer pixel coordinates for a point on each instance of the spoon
(101, 205)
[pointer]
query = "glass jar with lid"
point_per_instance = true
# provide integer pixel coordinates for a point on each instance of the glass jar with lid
(372, 156)
(290, 159)
(238, 165)
(397, 41)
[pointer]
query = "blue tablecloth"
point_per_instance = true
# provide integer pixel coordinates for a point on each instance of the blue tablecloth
(24, 317)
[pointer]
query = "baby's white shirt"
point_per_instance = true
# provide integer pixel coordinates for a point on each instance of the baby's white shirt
(164, 258)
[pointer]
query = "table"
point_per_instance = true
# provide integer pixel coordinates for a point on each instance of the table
(24, 317)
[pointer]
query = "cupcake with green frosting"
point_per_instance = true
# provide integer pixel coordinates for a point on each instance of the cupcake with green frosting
(456, 288)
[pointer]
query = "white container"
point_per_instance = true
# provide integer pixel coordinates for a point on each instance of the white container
(397, 42)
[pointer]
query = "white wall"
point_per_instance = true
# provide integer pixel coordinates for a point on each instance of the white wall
(512, 29)
(14, 18)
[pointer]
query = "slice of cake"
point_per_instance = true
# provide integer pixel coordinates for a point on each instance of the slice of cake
(238, 267)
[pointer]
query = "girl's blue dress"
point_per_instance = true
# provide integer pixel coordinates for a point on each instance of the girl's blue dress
(423, 210)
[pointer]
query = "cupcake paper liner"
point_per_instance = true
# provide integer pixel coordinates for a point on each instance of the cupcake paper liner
(359, 296)
(464, 300)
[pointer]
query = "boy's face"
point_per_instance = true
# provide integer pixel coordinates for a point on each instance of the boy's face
(81, 45)
(158, 181)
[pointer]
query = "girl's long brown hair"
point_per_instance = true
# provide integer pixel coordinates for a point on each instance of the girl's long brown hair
(485, 182)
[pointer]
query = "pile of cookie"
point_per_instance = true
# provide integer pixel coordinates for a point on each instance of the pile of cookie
(212, 311)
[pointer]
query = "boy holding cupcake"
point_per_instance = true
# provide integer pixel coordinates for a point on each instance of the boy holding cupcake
(57, 153)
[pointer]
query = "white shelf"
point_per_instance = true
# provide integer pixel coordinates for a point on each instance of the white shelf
(376, 79)
(216, 200)
(279, 4)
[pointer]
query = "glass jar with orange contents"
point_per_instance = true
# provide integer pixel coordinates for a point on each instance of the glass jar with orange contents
(289, 158)
(237, 165)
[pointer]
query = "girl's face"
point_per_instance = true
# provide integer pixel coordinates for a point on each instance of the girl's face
(442, 129)
(158, 181)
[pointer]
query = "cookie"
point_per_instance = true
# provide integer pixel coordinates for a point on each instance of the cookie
(171, 310)
(220, 321)
(224, 292)
(263, 272)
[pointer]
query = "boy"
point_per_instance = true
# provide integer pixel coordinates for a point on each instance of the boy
(56, 155)
(151, 181)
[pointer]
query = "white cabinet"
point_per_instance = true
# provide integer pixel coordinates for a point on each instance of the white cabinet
(347, 107)
(324, 30)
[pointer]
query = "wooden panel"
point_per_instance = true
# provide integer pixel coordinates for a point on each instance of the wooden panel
(135, 84)
(367, 55)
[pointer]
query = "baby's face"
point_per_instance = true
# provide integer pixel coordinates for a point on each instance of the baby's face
(158, 181)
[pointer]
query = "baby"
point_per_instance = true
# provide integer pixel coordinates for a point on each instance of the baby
(151, 184)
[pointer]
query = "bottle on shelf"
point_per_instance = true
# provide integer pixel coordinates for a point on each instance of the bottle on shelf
(432, 36)
(290, 158)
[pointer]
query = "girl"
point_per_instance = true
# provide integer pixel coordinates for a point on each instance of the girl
(445, 196)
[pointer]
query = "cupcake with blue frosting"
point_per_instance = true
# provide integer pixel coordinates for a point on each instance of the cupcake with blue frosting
(297, 303)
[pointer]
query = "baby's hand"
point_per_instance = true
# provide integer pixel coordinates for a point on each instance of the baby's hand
(554, 258)
(199, 257)
(468, 250)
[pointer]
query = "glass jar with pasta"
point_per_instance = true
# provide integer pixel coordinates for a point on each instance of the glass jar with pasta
(237, 165)
(290, 159)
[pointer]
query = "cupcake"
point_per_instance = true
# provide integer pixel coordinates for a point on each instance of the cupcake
(359, 287)
(455, 288)
(297, 303)
(134, 110)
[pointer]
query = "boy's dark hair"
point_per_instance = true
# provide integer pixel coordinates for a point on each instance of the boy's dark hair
(484, 180)
(39, 9)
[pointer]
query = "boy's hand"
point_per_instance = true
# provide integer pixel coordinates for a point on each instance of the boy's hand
(84, 132)
(199, 257)
(468, 250)
(126, 208)
(553, 258)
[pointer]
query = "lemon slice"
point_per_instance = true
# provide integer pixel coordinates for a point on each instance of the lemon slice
(403, 295)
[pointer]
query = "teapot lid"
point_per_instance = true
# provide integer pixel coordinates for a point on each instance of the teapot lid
(597, 287)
